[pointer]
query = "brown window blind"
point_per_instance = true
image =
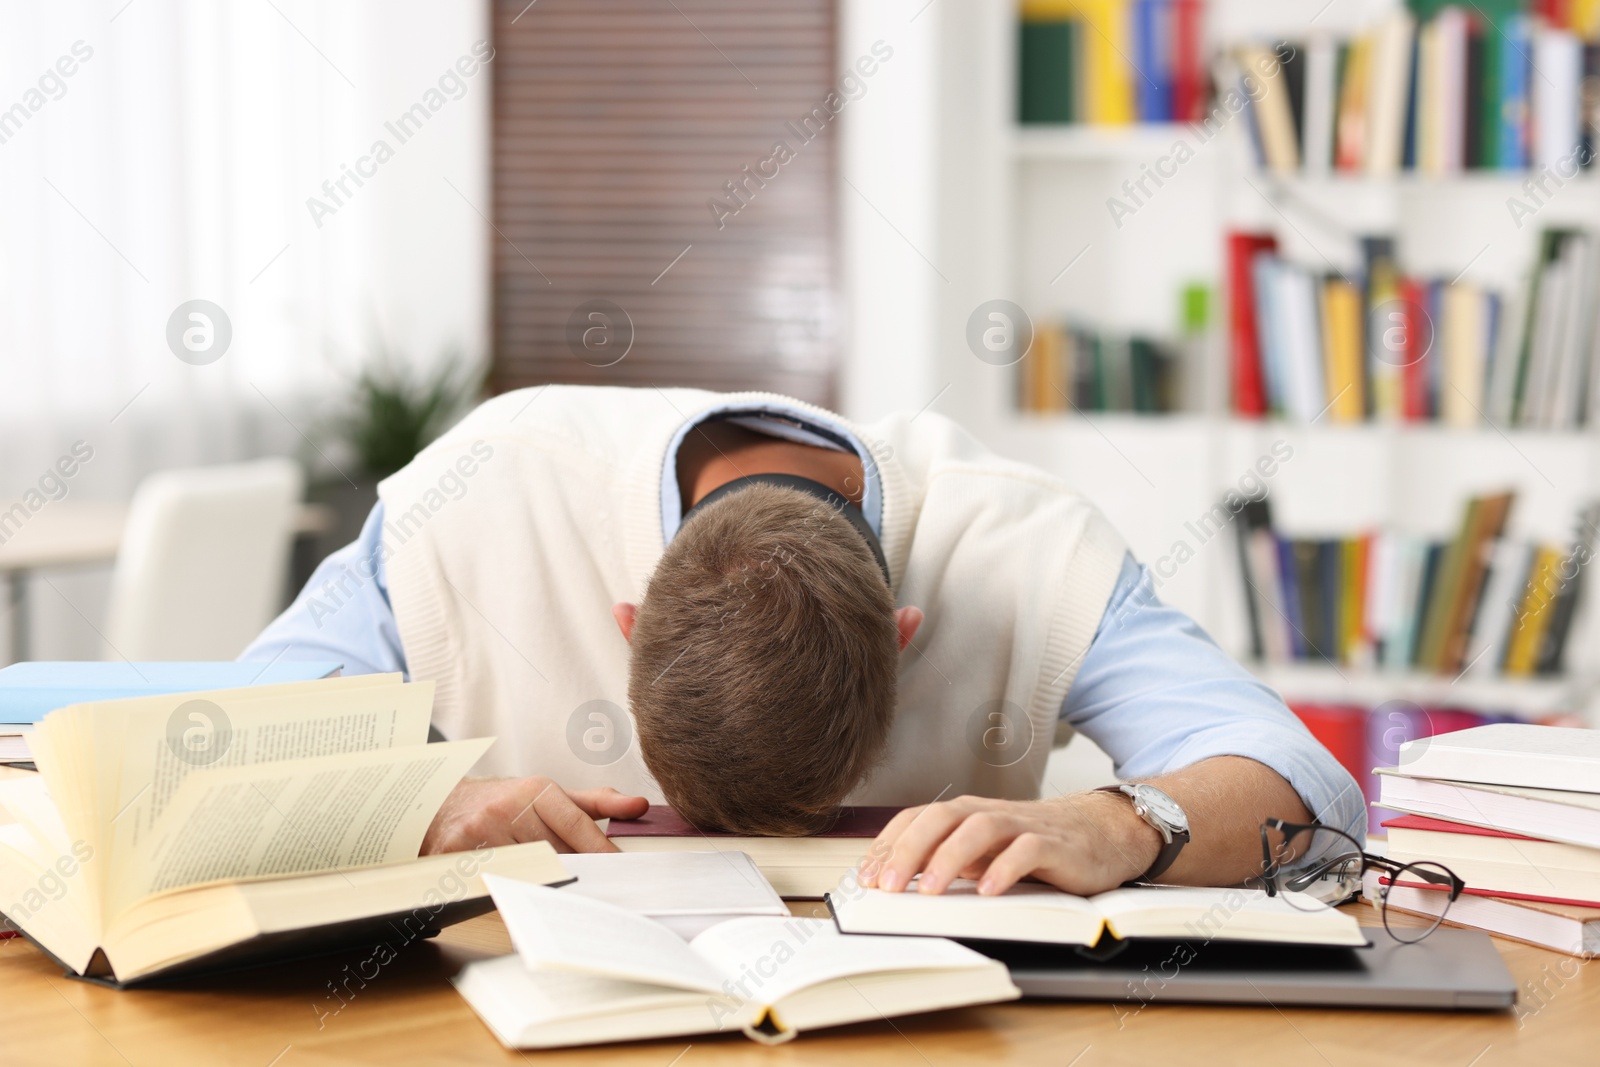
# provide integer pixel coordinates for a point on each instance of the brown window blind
(636, 167)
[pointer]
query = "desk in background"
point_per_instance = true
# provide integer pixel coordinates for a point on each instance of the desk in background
(407, 1013)
(71, 533)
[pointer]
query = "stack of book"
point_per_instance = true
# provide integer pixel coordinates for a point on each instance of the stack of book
(1514, 810)
(1380, 344)
(1111, 62)
(1436, 89)
(1071, 368)
(1481, 603)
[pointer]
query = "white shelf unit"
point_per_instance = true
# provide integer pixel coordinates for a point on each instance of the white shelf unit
(1018, 205)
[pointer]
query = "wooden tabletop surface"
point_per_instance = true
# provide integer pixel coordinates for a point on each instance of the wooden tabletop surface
(287, 1016)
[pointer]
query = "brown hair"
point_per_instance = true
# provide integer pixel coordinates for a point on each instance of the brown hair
(764, 660)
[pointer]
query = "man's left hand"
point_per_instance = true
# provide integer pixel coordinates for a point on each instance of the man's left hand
(1083, 843)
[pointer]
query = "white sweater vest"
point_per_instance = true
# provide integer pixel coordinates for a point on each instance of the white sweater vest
(508, 540)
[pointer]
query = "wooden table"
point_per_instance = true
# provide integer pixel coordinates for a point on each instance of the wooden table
(73, 533)
(287, 1016)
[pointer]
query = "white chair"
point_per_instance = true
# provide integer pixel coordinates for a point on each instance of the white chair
(204, 561)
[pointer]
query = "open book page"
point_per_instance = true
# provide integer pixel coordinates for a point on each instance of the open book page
(1027, 911)
(41, 891)
(167, 738)
(766, 959)
(1230, 914)
(293, 817)
(675, 883)
(554, 930)
(27, 801)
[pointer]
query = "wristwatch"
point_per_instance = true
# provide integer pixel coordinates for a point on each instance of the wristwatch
(1161, 812)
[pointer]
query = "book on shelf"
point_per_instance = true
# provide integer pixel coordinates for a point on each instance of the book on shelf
(1383, 345)
(136, 854)
(1110, 62)
(799, 868)
(1570, 928)
(1481, 603)
(1072, 368)
(1434, 88)
(1035, 913)
(587, 972)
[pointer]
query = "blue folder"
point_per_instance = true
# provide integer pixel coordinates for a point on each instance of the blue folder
(28, 691)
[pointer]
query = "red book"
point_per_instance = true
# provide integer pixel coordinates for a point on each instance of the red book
(1416, 340)
(662, 821)
(1422, 822)
(1249, 389)
(1342, 730)
(1188, 63)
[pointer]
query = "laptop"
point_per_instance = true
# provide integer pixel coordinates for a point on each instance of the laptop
(1451, 969)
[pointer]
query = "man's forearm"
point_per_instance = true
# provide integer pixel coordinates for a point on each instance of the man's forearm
(1226, 798)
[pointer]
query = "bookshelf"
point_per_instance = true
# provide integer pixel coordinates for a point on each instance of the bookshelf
(1018, 205)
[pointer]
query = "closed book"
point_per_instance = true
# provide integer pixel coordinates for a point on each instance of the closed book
(1274, 109)
(1152, 39)
(1256, 515)
(1387, 97)
(1557, 92)
(1108, 53)
(29, 691)
(1495, 861)
(1046, 85)
(1510, 753)
(1444, 590)
(1350, 124)
(1040, 914)
(1453, 28)
(1307, 555)
(1341, 346)
(797, 867)
(1515, 41)
(1321, 87)
(1305, 384)
(1382, 322)
(1533, 616)
(1188, 76)
(1503, 587)
(1415, 340)
(1293, 606)
(1552, 648)
(1464, 345)
(1552, 814)
(1570, 928)
(1249, 388)
(1482, 56)
(1493, 511)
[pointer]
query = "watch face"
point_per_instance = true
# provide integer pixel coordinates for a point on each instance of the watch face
(1161, 806)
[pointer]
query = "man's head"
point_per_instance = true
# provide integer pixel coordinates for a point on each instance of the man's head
(764, 661)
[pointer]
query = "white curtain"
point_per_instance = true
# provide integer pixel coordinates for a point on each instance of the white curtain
(154, 152)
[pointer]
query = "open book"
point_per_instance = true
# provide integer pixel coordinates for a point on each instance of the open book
(1037, 913)
(587, 972)
(197, 830)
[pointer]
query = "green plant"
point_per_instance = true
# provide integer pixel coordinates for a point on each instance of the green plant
(396, 410)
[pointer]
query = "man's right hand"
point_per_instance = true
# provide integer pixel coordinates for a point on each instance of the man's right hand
(486, 812)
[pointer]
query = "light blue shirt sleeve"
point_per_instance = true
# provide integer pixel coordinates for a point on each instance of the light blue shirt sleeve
(342, 614)
(1157, 694)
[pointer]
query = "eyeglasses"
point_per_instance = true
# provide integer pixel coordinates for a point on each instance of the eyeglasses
(1339, 856)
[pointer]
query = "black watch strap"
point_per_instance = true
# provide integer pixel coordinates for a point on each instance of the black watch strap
(1175, 840)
